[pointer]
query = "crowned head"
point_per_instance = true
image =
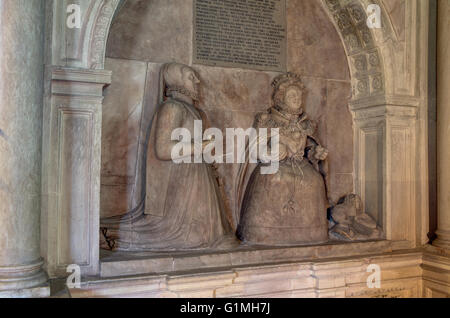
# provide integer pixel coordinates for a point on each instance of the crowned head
(288, 93)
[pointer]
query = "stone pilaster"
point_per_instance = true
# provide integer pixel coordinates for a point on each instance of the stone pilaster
(385, 178)
(443, 124)
(21, 95)
(71, 170)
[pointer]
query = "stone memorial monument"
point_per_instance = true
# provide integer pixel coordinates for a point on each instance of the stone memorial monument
(355, 92)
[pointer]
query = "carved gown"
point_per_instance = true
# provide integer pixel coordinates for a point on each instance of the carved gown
(183, 210)
(290, 206)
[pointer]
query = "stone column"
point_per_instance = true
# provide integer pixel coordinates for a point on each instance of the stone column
(21, 99)
(443, 124)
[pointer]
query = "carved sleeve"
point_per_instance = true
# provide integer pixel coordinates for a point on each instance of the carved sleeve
(170, 117)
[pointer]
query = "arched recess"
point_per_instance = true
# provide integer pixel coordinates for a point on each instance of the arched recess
(384, 124)
(385, 118)
(385, 128)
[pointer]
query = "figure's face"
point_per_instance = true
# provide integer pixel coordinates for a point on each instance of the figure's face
(293, 98)
(191, 80)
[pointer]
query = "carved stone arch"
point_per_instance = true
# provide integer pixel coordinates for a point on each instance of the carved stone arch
(362, 45)
(102, 18)
(80, 47)
(349, 18)
(366, 59)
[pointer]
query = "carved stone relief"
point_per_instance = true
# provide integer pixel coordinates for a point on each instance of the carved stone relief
(184, 208)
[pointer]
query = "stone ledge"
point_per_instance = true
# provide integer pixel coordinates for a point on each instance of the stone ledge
(127, 264)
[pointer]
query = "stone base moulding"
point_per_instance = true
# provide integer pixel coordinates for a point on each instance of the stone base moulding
(416, 273)
(42, 291)
(401, 276)
(21, 281)
(436, 272)
(443, 239)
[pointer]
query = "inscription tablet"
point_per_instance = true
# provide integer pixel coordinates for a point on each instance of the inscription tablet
(240, 33)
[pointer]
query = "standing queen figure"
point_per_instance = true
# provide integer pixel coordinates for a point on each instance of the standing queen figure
(290, 206)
